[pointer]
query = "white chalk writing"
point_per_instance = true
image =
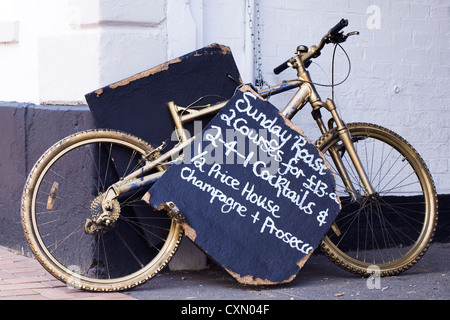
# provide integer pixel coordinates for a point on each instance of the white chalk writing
(282, 145)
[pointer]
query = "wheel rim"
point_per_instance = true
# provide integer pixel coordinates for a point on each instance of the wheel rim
(97, 274)
(404, 227)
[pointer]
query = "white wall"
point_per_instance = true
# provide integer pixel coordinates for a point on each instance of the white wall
(66, 48)
(58, 50)
(400, 66)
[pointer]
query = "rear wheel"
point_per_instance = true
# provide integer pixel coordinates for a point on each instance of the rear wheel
(389, 232)
(62, 199)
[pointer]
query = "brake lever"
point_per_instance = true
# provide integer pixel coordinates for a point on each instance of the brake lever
(341, 37)
(353, 33)
(337, 38)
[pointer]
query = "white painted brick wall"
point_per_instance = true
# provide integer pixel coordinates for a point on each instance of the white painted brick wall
(400, 71)
(66, 48)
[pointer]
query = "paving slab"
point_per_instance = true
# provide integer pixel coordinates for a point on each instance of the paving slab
(23, 278)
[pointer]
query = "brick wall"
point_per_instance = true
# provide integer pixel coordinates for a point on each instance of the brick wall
(400, 66)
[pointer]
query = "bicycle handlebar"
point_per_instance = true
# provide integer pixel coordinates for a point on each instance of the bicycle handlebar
(281, 67)
(333, 33)
(338, 27)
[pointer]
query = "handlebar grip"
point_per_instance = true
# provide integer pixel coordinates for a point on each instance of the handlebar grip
(281, 67)
(338, 27)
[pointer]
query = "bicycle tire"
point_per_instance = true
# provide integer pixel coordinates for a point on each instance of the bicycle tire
(63, 191)
(394, 231)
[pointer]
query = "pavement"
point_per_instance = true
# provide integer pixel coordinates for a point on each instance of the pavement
(23, 278)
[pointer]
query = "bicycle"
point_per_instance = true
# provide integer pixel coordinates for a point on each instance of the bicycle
(83, 221)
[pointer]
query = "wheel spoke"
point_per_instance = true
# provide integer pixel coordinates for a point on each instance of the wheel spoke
(72, 234)
(384, 229)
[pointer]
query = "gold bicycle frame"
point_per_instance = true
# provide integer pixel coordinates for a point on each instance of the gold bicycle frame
(306, 93)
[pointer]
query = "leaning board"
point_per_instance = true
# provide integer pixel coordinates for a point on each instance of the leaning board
(138, 104)
(255, 194)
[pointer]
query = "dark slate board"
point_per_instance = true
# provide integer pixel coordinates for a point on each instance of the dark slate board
(258, 206)
(138, 104)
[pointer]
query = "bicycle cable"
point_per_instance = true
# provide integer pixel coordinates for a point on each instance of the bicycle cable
(332, 69)
(192, 105)
(332, 85)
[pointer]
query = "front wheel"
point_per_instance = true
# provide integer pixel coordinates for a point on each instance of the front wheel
(389, 232)
(63, 196)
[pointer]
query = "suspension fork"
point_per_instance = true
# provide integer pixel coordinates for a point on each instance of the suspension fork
(346, 139)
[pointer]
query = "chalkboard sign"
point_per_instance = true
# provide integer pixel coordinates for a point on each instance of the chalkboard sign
(255, 194)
